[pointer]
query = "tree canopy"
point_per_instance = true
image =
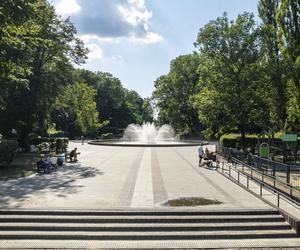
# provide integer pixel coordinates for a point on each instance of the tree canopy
(173, 92)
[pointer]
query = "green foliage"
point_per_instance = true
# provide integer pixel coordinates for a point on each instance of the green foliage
(37, 51)
(275, 66)
(251, 140)
(117, 106)
(288, 22)
(107, 136)
(76, 103)
(234, 140)
(173, 92)
(50, 144)
(7, 151)
(232, 95)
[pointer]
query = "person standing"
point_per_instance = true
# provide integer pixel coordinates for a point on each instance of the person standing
(82, 140)
(200, 154)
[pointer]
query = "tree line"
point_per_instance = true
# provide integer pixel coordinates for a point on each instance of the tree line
(39, 87)
(243, 77)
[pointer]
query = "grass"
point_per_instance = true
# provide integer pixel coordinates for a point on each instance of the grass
(23, 165)
(191, 202)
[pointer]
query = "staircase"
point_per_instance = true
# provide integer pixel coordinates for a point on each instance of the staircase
(142, 225)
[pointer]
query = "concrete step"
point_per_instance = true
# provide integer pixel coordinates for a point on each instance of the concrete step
(150, 212)
(136, 227)
(141, 219)
(142, 225)
(82, 235)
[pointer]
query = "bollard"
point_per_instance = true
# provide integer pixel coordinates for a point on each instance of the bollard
(247, 181)
(229, 171)
(223, 167)
(278, 197)
(238, 176)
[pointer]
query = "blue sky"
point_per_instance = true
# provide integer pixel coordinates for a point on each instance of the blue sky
(135, 40)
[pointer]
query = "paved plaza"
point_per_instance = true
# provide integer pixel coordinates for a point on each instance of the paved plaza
(131, 179)
(125, 177)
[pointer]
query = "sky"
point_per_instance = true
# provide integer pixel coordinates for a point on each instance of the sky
(135, 40)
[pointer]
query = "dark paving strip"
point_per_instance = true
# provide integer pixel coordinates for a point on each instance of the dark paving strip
(159, 189)
(209, 180)
(127, 191)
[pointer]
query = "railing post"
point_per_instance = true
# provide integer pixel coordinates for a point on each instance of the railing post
(238, 176)
(288, 173)
(247, 181)
(291, 192)
(278, 198)
(261, 185)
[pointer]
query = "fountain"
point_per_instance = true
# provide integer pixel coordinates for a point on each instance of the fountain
(147, 135)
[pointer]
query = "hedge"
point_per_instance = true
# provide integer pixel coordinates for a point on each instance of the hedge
(234, 140)
(8, 149)
(55, 144)
(106, 136)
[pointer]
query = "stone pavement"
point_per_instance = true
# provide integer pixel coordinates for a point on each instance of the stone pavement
(123, 177)
(153, 244)
(131, 178)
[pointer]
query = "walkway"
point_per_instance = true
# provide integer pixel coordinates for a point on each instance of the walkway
(120, 177)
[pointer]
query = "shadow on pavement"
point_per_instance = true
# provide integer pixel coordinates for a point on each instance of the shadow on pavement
(61, 183)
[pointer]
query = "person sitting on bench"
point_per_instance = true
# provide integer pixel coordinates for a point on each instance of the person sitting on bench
(73, 155)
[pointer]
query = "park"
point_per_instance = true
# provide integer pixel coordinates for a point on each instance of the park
(204, 153)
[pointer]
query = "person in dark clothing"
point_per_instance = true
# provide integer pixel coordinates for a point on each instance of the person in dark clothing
(73, 155)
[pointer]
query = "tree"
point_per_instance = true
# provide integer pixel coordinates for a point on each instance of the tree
(275, 65)
(233, 92)
(288, 21)
(173, 91)
(147, 110)
(48, 52)
(15, 29)
(117, 105)
(75, 110)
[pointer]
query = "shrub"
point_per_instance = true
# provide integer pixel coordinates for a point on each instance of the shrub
(44, 147)
(8, 149)
(234, 140)
(106, 136)
(54, 144)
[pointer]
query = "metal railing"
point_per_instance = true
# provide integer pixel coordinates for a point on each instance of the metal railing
(250, 173)
(289, 174)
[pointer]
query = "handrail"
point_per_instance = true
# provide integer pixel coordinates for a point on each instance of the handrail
(263, 174)
(262, 184)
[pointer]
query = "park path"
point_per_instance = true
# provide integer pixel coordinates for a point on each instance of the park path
(125, 177)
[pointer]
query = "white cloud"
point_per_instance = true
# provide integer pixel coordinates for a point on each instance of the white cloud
(110, 21)
(95, 52)
(90, 38)
(67, 7)
(149, 38)
(135, 12)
